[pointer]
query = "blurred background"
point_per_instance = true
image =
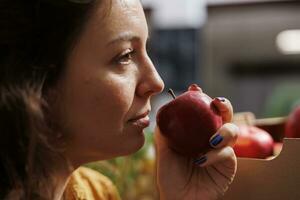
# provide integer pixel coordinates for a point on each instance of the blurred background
(245, 50)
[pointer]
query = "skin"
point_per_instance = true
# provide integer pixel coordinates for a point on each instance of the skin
(108, 81)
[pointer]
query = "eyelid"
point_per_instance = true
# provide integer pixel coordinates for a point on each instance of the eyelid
(127, 51)
(118, 58)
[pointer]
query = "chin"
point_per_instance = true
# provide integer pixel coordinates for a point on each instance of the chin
(132, 146)
(132, 140)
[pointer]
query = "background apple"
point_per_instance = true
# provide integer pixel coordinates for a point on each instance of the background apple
(292, 128)
(188, 122)
(277, 148)
(253, 142)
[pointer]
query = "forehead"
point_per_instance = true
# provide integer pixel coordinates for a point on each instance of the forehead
(112, 16)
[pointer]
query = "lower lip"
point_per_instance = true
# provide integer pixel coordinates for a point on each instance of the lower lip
(142, 123)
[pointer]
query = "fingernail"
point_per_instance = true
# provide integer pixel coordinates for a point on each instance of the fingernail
(201, 160)
(222, 99)
(216, 140)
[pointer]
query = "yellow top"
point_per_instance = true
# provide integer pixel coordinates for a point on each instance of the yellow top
(87, 184)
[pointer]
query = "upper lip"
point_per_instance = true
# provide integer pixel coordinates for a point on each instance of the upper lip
(140, 116)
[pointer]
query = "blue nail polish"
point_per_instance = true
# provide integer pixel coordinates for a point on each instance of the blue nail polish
(216, 140)
(222, 99)
(200, 161)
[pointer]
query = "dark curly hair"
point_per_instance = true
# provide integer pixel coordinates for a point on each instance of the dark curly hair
(35, 39)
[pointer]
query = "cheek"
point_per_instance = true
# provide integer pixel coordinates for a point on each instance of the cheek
(98, 106)
(116, 95)
(113, 103)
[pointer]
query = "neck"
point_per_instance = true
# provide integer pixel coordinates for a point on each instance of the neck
(61, 179)
(61, 186)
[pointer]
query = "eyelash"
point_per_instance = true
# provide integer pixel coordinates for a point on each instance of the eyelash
(127, 54)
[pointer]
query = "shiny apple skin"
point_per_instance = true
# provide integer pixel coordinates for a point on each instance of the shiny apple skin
(188, 122)
(292, 128)
(253, 142)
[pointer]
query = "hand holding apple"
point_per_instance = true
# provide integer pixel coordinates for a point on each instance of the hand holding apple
(187, 176)
(189, 121)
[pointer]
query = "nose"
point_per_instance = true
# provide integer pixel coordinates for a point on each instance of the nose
(150, 81)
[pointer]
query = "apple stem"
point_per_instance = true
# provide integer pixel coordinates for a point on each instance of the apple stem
(170, 91)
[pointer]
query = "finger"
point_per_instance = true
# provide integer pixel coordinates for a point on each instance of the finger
(226, 136)
(160, 142)
(224, 106)
(158, 138)
(215, 156)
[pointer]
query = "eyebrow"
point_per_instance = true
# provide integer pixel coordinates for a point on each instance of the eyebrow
(124, 37)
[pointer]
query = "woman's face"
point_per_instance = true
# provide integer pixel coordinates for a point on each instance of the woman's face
(104, 94)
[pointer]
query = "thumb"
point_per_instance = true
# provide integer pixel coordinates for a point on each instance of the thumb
(160, 142)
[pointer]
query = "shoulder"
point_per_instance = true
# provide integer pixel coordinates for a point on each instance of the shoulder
(86, 183)
(92, 177)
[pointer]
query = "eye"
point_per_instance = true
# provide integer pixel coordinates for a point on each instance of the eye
(125, 57)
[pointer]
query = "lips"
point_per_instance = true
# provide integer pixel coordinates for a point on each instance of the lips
(140, 116)
(141, 120)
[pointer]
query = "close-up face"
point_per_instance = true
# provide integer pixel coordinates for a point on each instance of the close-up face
(103, 97)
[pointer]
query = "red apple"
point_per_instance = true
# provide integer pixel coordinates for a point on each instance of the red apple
(188, 122)
(292, 128)
(253, 142)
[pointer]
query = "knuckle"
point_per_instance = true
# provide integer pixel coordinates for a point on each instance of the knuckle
(229, 151)
(231, 129)
(227, 129)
